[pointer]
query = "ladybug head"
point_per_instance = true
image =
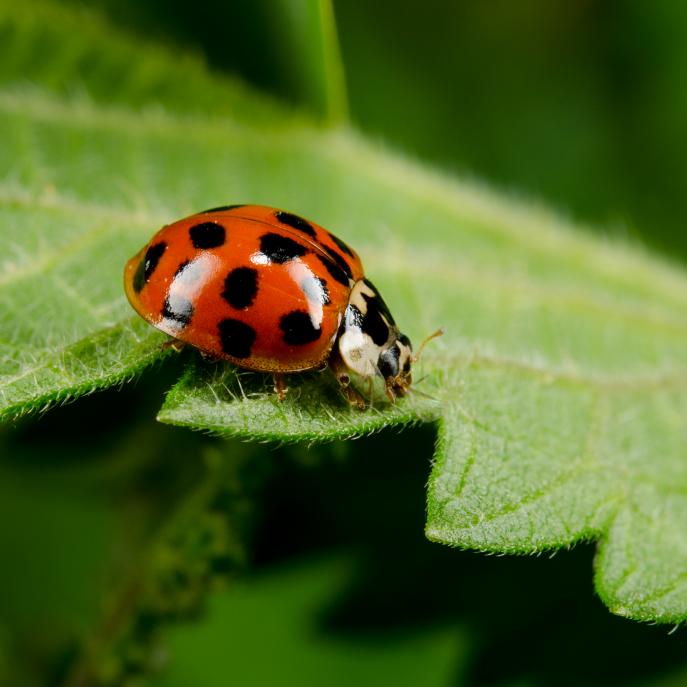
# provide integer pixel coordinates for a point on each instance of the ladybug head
(395, 360)
(370, 343)
(394, 365)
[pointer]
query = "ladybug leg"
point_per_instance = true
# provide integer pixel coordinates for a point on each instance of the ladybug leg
(353, 397)
(280, 387)
(369, 388)
(176, 345)
(341, 373)
(389, 391)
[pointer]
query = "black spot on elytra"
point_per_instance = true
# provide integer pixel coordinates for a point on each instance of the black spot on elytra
(281, 249)
(240, 287)
(296, 222)
(221, 208)
(207, 235)
(379, 301)
(237, 338)
(178, 309)
(315, 290)
(139, 280)
(340, 261)
(334, 270)
(341, 244)
(373, 323)
(148, 265)
(388, 362)
(298, 328)
(405, 341)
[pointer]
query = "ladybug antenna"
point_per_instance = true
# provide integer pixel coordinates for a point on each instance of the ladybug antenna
(425, 341)
(414, 391)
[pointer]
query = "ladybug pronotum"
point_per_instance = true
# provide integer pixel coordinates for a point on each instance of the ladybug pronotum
(269, 291)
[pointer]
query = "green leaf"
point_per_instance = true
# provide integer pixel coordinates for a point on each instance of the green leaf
(63, 333)
(314, 409)
(559, 386)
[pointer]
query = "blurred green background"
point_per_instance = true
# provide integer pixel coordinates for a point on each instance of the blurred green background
(582, 103)
(122, 539)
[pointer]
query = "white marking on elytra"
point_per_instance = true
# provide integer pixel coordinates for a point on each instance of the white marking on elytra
(300, 272)
(187, 284)
(259, 258)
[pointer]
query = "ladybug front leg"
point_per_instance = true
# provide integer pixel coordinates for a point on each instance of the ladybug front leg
(341, 373)
(389, 389)
(280, 387)
(176, 345)
(353, 397)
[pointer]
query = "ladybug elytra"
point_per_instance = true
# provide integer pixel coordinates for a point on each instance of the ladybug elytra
(269, 291)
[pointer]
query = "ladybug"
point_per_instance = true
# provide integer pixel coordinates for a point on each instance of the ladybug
(269, 291)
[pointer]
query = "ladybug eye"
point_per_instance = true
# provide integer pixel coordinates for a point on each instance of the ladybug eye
(388, 362)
